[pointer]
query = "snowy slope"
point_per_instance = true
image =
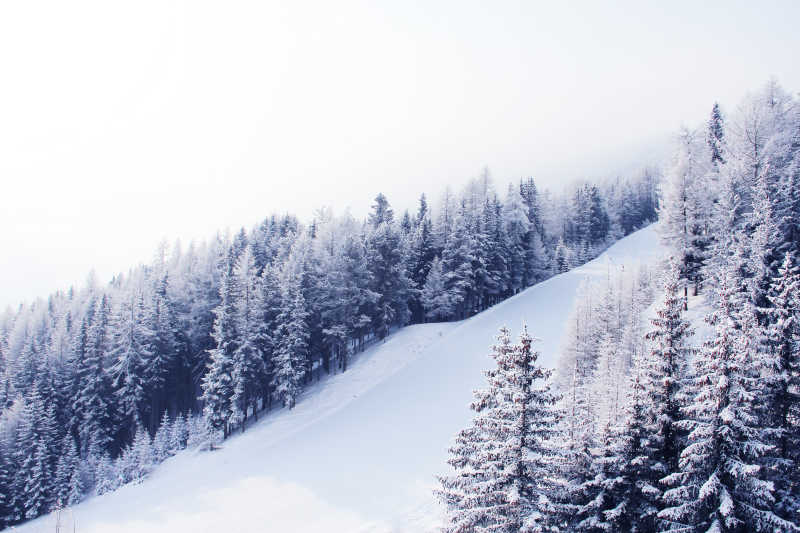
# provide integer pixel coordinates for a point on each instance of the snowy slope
(360, 451)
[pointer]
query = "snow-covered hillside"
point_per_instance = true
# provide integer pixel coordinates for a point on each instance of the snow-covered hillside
(361, 449)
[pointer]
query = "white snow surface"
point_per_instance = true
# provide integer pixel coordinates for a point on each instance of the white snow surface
(361, 450)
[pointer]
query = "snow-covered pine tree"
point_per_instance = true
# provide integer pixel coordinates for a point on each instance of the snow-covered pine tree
(502, 461)
(36, 488)
(162, 369)
(5, 485)
(33, 477)
(94, 402)
(665, 369)
(136, 461)
(782, 378)
(292, 334)
(435, 297)
(162, 441)
(106, 475)
(179, 436)
(457, 266)
(217, 383)
(516, 225)
(249, 369)
(684, 209)
(423, 253)
(132, 349)
(720, 485)
(563, 259)
(716, 136)
(68, 484)
(357, 300)
(632, 496)
(387, 268)
(495, 253)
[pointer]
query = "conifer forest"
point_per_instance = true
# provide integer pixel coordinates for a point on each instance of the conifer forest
(479, 279)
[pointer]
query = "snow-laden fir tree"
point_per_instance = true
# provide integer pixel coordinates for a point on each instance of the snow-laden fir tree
(136, 461)
(663, 374)
(720, 484)
(685, 208)
(458, 259)
(292, 334)
(436, 298)
(634, 450)
(162, 441)
(218, 387)
(93, 407)
(179, 434)
(503, 460)
(33, 476)
(68, 482)
(106, 475)
(782, 380)
(133, 347)
(716, 136)
(389, 279)
(249, 368)
(631, 493)
(516, 226)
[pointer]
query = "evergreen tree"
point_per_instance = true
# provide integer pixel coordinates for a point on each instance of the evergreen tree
(437, 300)
(685, 209)
(163, 445)
(720, 485)
(502, 462)
(179, 436)
(716, 136)
(633, 501)
(249, 369)
(218, 387)
(67, 476)
(423, 253)
(162, 373)
(387, 269)
(94, 405)
(133, 348)
(782, 376)
(106, 476)
(516, 226)
(6, 486)
(495, 253)
(458, 258)
(290, 354)
(664, 372)
(562, 257)
(646, 446)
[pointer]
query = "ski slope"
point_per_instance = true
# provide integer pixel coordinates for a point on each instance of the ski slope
(361, 450)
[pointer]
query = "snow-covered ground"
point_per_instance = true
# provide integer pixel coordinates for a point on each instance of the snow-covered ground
(361, 450)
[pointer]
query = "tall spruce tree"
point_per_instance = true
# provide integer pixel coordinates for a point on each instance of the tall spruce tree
(720, 484)
(782, 379)
(502, 461)
(716, 136)
(290, 355)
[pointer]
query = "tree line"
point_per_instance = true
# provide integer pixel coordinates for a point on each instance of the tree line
(223, 330)
(681, 425)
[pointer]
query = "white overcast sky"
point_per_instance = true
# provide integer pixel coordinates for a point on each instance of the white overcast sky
(124, 123)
